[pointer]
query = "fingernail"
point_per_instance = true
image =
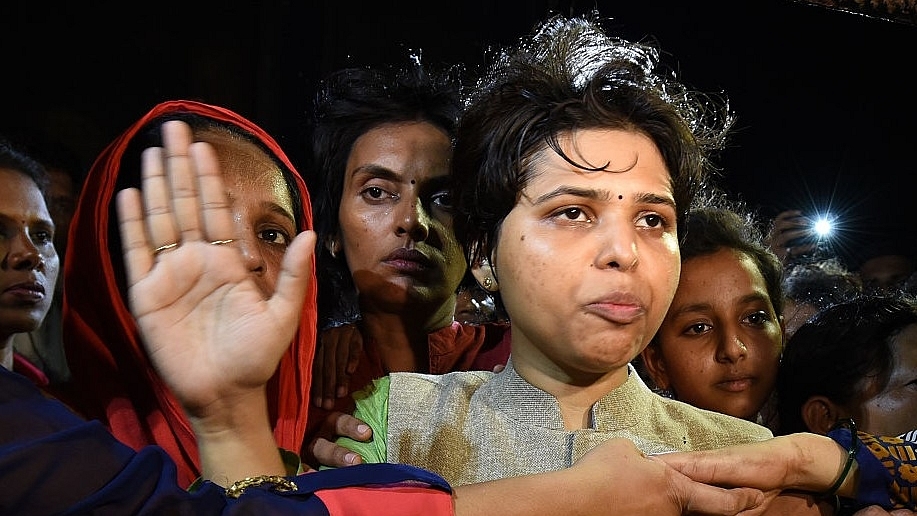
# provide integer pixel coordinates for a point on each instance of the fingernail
(342, 391)
(362, 428)
(350, 458)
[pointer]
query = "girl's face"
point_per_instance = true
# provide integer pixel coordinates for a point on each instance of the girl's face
(28, 261)
(396, 222)
(262, 206)
(894, 410)
(587, 262)
(720, 343)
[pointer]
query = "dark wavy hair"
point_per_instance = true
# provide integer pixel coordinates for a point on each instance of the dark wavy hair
(350, 102)
(569, 75)
(14, 157)
(840, 352)
(729, 224)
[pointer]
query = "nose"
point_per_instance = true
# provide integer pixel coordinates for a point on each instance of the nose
(731, 348)
(618, 247)
(251, 255)
(22, 253)
(413, 220)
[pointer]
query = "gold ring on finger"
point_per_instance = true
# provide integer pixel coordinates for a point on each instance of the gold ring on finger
(166, 247)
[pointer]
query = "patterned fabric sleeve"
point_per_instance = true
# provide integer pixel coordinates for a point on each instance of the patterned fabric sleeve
(887, 469)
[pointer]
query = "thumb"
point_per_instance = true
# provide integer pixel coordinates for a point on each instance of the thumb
(295, 273)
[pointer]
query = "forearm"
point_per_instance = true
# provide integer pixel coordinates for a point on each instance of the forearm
(530, 495)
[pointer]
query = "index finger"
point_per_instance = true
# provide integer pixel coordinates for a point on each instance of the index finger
(134, 244)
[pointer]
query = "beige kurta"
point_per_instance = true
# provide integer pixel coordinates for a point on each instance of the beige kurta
(476, 426)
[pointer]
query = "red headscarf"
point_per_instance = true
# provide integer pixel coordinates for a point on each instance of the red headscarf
(113, 380)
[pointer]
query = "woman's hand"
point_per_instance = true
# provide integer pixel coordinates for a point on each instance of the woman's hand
(336, 358)
(208, 330)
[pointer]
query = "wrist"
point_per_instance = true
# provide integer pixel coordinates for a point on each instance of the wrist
(846, 481)
(235, 441)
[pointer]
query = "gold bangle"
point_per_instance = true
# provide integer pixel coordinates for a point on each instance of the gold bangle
(280, 484)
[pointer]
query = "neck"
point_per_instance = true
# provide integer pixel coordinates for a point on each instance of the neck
(575, 395)
(400, 344)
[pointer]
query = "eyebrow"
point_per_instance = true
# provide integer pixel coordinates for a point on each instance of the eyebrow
(376, 171)
(47, 223)
(707, 307)
(273, 207)
(603, 195)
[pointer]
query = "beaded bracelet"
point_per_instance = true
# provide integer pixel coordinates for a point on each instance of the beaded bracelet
(280, 484)
(851, 454)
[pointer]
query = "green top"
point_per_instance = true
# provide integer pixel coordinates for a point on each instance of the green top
(372, 409)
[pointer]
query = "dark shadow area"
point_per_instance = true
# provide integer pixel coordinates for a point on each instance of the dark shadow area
(823, 95)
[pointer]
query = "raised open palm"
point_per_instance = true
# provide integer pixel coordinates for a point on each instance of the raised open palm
(208, 329)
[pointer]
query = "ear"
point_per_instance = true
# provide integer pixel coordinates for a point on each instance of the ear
(819, 414)
(655, 367)
(484, 275)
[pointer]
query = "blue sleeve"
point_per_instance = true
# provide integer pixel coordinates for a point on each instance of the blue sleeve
(54, 462)
(887, 469)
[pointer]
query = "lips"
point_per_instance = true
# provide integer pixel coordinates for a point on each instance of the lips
(408, 260)
(30, 291)
(736, 383)
(619, 308)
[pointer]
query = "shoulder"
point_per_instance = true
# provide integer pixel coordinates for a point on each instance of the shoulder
(705, 429)
(459, 380)
(415, 393)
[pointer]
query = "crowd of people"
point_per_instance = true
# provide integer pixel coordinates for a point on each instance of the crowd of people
(240, 337)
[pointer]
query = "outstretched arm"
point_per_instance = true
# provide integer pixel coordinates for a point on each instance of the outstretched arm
(809, 462)
(805, 462)
(208, 331)
(613, 478)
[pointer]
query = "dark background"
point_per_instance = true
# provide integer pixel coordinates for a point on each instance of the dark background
(825, 98)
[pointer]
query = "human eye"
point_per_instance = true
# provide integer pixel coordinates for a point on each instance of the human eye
(572, 214)
(758, 318)
(42, 234)
(43, 237)
(442, 200)
(699, 328)
(653, 221)
(377, 193)
(275, 236)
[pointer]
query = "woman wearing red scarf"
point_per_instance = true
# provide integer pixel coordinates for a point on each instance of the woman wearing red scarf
(113, 380)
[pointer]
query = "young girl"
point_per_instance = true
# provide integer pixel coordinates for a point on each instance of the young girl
(719, 345)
